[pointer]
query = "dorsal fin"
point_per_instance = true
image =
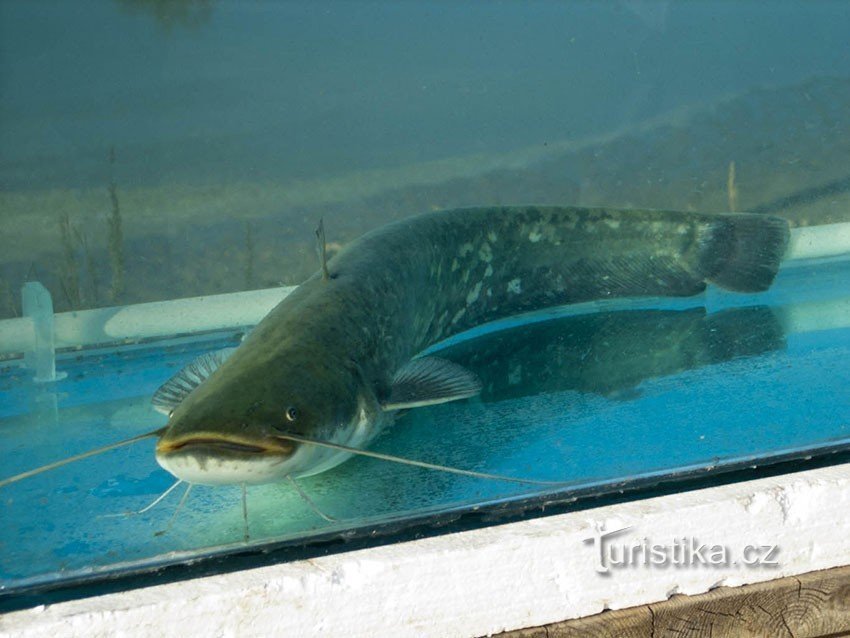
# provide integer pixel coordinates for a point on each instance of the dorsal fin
(171, 393)
(322, 249)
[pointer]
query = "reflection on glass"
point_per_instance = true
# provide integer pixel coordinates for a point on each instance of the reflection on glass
(612, 353)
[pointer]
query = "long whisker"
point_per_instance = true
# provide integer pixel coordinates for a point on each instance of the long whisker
(245, 511)
(177, 509)
(160, 497)
(306, 498)
(405, 461)
(146, 507)
(78, 457)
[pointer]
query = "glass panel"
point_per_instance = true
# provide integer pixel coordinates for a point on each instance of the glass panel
(598, 400)
(153, 150)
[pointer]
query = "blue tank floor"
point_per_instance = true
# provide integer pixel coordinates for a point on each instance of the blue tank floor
(693, 398)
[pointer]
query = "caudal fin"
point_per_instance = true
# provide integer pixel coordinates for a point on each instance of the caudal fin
(743, 251)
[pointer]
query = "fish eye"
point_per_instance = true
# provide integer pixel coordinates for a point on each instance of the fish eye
(291, 413)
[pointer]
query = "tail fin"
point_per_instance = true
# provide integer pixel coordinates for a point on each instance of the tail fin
(742, 251)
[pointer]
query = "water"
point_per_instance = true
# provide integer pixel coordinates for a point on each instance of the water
(253, 89)
(598, 400)
(236, 126)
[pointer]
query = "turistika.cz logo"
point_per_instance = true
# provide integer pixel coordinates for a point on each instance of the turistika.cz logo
(611, 552)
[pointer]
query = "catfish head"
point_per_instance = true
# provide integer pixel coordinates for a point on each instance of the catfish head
(230, 416)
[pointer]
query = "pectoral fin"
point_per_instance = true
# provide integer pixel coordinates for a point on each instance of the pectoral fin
(428, 381)
(171, 393)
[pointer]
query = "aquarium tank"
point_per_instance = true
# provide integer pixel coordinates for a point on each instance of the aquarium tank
(171, 171)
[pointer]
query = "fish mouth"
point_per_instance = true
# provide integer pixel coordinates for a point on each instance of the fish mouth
(211, 459)
(221, 445)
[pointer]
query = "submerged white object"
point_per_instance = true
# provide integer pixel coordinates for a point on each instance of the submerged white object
(811, 242)
(145, 320)
(40, 357)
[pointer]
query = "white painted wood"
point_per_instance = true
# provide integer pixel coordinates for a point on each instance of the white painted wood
(483, 581)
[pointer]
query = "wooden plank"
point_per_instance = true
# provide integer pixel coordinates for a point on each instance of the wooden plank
(813, 605)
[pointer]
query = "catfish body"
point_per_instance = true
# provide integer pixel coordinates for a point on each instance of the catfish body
(336, 357)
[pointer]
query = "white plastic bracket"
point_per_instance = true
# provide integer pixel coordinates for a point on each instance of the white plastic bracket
(37, 307)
